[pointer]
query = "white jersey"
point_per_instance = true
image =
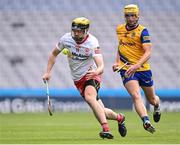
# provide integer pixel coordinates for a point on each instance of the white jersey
(81, 55)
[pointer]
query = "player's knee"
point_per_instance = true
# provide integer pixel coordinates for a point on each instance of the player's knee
(136, 96)
(89, 98)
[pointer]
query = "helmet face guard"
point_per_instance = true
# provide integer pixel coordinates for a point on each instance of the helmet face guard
(131, 13)
(79, 28)
(76, 26)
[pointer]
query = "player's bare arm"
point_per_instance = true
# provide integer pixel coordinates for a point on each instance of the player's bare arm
(51, 62)
(100, 64)
(147, 54)
(116, 64)
(98, 59)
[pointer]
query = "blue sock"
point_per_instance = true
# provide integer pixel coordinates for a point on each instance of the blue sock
(145, 118)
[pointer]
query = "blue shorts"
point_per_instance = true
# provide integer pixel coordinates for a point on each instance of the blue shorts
(143, 77)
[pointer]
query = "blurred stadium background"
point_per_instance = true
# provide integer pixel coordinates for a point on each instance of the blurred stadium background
(29, 29)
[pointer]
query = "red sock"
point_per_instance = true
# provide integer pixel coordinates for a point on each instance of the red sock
(105, 126)
(119, 117)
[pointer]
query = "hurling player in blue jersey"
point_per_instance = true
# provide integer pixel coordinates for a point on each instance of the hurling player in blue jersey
(133, 53)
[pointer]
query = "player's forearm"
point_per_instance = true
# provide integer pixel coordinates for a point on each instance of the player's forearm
(100, 69)
(52, 59)
(100, 64)
(51, 62)
(117, 57)
(144, 58)
(146, 55)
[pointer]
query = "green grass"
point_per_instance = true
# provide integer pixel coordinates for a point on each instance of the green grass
(82, 128)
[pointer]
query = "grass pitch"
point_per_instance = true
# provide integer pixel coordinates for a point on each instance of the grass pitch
(82, 128)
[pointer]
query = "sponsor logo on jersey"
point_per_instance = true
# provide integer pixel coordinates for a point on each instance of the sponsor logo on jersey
(79, 56)
(126, 43)
(123, 33)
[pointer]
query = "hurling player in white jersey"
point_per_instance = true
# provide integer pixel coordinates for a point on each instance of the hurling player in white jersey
(86, 65)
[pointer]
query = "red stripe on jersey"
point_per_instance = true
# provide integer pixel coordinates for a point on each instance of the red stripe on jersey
(97, 51)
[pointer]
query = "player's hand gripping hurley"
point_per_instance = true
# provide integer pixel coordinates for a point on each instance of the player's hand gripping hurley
(48, 98)
(119, 68)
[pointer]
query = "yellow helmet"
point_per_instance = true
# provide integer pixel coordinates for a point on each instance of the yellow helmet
(132, 8)
(80, 23)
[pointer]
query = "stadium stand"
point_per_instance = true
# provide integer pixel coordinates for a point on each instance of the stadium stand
(29, 29)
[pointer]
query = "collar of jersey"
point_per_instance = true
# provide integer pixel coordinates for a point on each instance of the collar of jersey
(132, 28)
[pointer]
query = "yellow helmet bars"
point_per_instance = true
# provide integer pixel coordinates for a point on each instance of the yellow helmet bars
(80, 23)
